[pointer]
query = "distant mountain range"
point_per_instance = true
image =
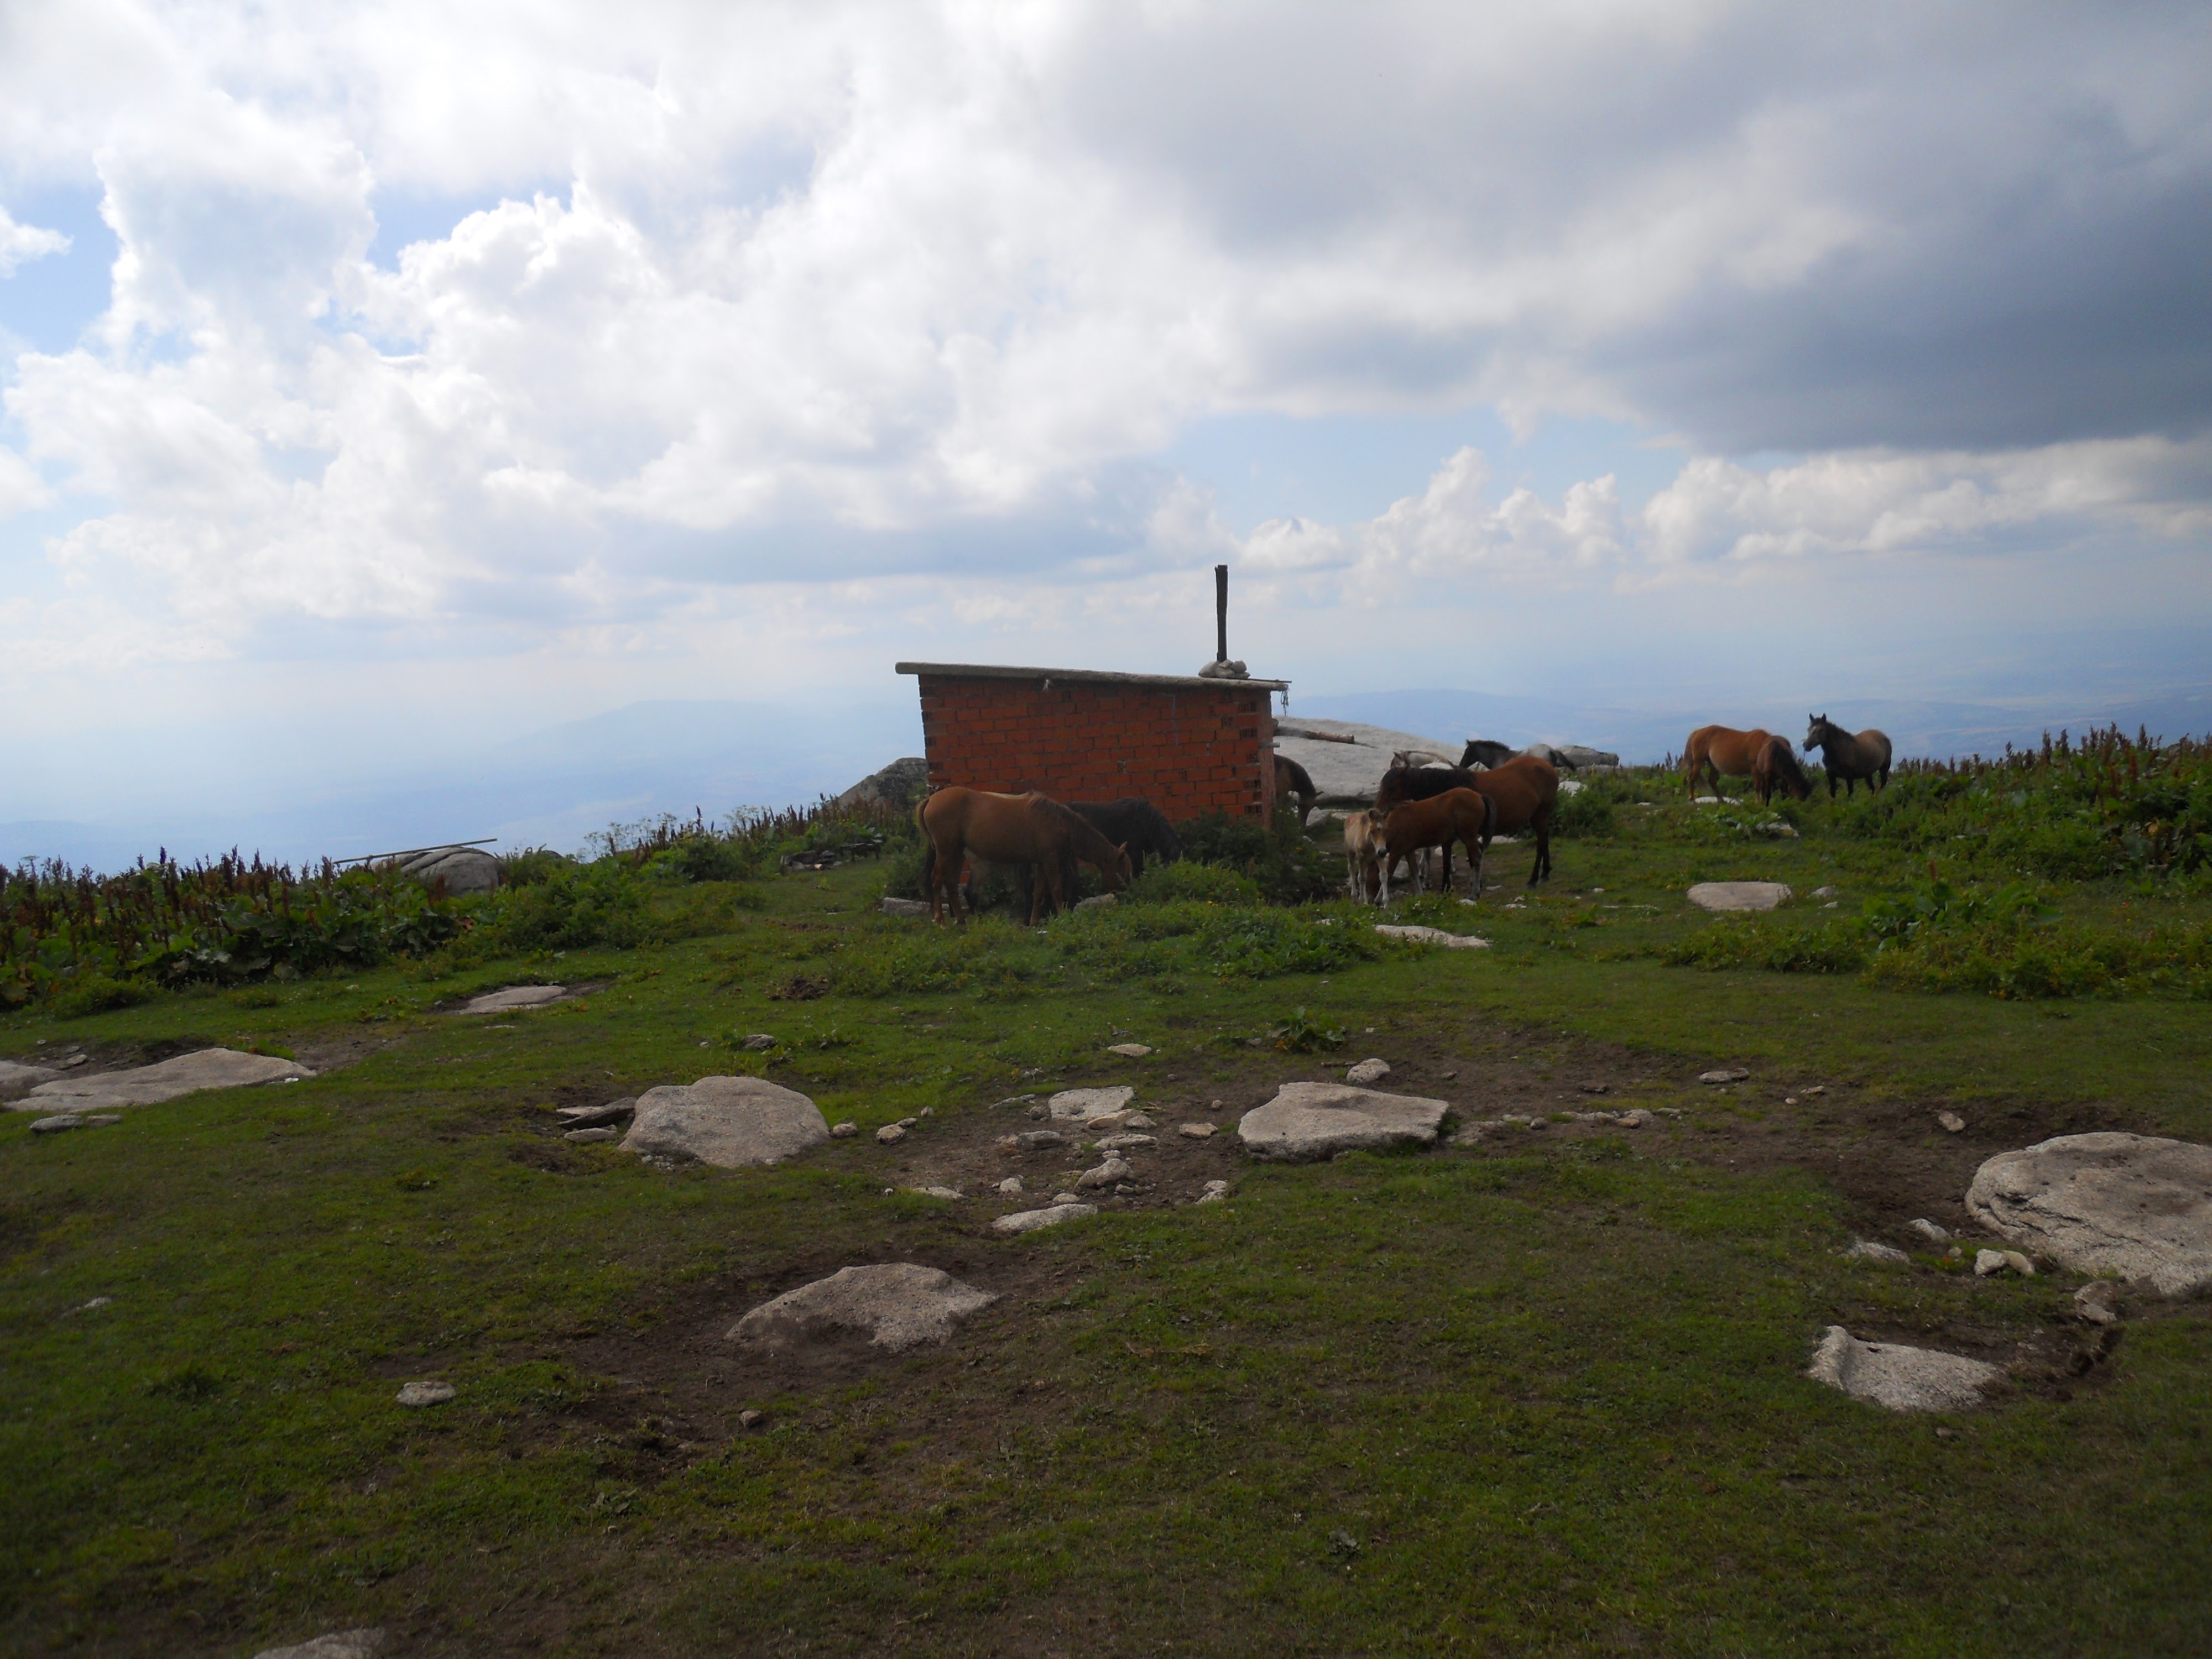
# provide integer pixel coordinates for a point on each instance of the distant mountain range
(557, 786)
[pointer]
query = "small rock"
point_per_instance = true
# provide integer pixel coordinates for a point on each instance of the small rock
(1951, 1121)
(585, 1117)
(1038, 1140)
(1097, 901)
(1817, 1089)
(1213, 1192)
(1823, 892)
(749, 1420)
(759, 1043)
(1113, 1169)
(900, 907)
(1727, 1074)
(1196, 1131)
(1214, 1105)
(844, 1130)
(1865, 1249)
(1084, 1104)
(896, 1305)
(2020, 1264)
(1129, 1050)
(1738, 895)
(1903, 1379)
(592, 1135)
(1367, 1072)
(1010, 1185)
(1434, 936)
(909, 1122)
(2098, 1302)
(425, 1393)
(950, 1193)
(1587, 1088)
(891, 1134)
(1928, 1231)
(1029, 1221)
(1066, 1198)
(54, 1126)
(1137, 1121)
(1987, 1262)
(1038, 1110)
(1635, 1118)
(363, 1643)
(1124, 1143)
(1012, 1100)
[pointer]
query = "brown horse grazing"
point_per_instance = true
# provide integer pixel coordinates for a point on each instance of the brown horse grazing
(1774, 767)
(1033, 830)
(1411, 827)
(1715, 750)
(1294, 783)
(1525, 793)
(1850, 756)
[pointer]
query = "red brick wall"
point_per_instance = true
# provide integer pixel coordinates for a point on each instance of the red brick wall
(1186, 752)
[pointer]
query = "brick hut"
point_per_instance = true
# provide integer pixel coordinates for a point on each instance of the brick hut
(1189, 745)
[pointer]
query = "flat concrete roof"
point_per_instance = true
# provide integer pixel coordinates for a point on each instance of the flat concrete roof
(975, 671)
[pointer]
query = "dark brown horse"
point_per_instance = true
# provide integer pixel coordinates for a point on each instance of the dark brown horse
(1850, 756)
(1717, 749)
(1524, 792)
(1033, 830)
(1411, 827)
(1403, 782)
(1294, 783)
(1774, 767)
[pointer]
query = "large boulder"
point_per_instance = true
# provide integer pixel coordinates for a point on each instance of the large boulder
(897, 785)
(17, 1079)
(463, 870)
(896, 1306)
(731, 1123)
(1307, 1121)
(149, 1085)
(1737, 895)
(2134, 1206)
(1902, 1378)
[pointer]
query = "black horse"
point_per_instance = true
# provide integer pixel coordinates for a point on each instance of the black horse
(1488, 752)
(1294, 783)
(1850, 756)
(1134, 824)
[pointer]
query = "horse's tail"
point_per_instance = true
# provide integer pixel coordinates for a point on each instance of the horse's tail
(928, 850)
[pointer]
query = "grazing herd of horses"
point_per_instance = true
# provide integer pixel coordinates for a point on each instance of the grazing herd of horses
(1424, 806)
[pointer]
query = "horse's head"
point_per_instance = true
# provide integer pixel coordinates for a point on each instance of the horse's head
(1816, 734)
(1117, 874)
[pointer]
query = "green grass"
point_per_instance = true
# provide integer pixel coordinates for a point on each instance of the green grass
(1545, 1396)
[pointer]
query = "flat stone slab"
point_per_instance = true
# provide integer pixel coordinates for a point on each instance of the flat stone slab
(1901, 1378)
(2132, 1206)
(1433, 936)
(1733, 896)
(363, 1643)
(1129, 1050)
(1319, 1119)
(896, 1305)
(424, 1394)
(17, 1079)
(1029, 1221)
(514, 997)
(150, 1085)
(1084, 1104)
(731, 1123)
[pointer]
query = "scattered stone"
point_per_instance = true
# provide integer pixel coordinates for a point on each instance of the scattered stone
(1996, 1261)
(1738, 895)
(1823, 892)
(899, 906)
(1010, 1185)
(1097, 901)
(99, 1301)
(1951, 1121)
(1037, 1109)
(1084, 1104)
(2134, 1206)
(1122, 1143)
(1028, 1221)
(585, 1117)
(1865, 1249)
(896, 1305)
(1138, 1121)
(1066, 1198)
(1038, 1140)
(1213, 1192)
(727, 1121)
(909, 1122)
(514, 997)
(56, 1125)
(19, 1079)
(2020, 1264)
(1367, 1072)
(150, 1085)
(425, 1393)
(1929, 1231)
(1817, 1089)
(2098, 1302)
(891, 1134)
(363, 1643)
(1012, 1100)
(1587, 1088)
(1434, 936)
(1196, 1131)
(1113, 1169)
(948, 1194)
(1129, 1050)
(1634, 1118)
(844, 1130)
(751, 1419)
(1726, 1074)
(1902, 1378)
(582, 1135)
(758, 1044)
(1307, 1121)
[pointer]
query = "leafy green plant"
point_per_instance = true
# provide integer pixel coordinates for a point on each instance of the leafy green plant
(1301, 1034)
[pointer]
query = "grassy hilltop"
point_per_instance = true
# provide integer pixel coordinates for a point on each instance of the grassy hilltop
(1541, 1392)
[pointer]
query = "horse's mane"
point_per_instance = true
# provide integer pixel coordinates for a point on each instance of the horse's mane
(1089, 844)
(1783, 760)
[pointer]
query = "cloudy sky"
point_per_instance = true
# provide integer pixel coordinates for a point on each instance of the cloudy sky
(383, 378)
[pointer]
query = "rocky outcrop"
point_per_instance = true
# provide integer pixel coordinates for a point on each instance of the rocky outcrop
(2132, 1206)
(732, 1122)
(1309, 1121)
(149, 1085)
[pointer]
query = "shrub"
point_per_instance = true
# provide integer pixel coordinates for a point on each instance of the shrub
(1287, 866)
(1209, 884)
(96, 993)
